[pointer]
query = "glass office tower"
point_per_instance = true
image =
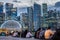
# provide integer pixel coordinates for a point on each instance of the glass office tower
(45, 14)
(30, 18)
(1, 7)
(2, 15)
(52, 14)
(13, 13)
(37, 16)
(8, 7)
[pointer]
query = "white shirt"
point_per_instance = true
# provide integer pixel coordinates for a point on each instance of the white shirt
(28, 35)
(15, 34)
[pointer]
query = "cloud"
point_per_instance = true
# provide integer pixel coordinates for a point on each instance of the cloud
(49, 2)
(23, 3)
(6, 1)
(27, 3)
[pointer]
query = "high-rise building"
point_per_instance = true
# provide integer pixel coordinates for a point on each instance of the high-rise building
(13, 13)
(30, 18)
(23, 16)
(42, 21)
(45, 14)
(37, 15)
(58, 19)
(25, 20)
(52, 15)
(1, 7)
(8, 7)
(2, 15)
(2, 18)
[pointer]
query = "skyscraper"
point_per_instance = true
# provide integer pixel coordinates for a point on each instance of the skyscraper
(23, 17)
(37, 15)
(2, 15)
(2, 18)
(1, 7)
(45, 14)
(52, 15)
(30, 18)
(14, 13)
(25, 20)
(8, 7)
(58, 19)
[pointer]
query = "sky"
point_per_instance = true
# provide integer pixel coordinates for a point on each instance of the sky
(22, 3)
(49, 2)
(30, 2)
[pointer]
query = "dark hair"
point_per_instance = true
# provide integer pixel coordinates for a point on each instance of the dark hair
(43, 28)
(39, 29)
(49, 27)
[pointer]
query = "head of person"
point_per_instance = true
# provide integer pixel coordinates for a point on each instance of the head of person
(39, 29)
(49, 27)
(30, 31)
(26, 31)
(43, 28)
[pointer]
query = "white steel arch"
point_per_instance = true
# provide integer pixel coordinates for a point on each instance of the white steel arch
(11, 24)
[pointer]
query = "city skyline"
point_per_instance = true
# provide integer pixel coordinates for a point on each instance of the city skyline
(26, 3)
(29, 16)
(24, 10)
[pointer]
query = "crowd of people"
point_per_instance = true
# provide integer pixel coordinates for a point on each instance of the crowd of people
(48, 34)
(23, 34)
(26, 34)
(14, 34)
(41, 33)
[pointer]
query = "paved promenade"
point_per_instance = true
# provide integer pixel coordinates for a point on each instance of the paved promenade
(15, 38)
